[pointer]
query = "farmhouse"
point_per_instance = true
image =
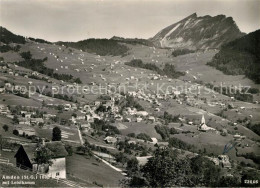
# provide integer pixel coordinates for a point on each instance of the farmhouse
(224, 161)
(36, 121)
(110, 140)
(2, 90)
(25, 159)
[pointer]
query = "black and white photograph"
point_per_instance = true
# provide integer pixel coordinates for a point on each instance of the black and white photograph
(129, 93)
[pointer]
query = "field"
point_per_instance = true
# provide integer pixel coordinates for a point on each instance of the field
(91, 170)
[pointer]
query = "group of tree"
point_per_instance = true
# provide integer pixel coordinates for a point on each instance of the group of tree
(134, 41)
(9, 37)
(103, 126)
(254, 127)
(178, 52)
(130, 148)
(85, 149)
(168, 69)
(169, 118)
(7, 48)
(165, 131)
(240, 56)
(167, 169)
(99, 46)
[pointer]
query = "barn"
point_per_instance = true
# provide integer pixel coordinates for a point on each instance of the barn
(25, 159)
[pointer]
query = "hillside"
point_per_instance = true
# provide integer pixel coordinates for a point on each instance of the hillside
(195, 32)
(8, 37)
(240, 56)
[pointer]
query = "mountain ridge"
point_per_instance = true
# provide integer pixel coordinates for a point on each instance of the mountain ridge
(201, 32)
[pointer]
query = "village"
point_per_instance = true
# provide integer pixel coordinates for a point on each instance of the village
(107, 112)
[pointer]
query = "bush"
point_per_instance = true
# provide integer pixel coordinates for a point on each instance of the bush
(5, 127)
(144, 137)
(15, 132)
(131, 135)
(178, 52)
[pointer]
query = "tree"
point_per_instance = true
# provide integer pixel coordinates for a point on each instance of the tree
(165, 169)
(5, 127)
(56, 134)
(41, 124)
(42, 156)
(132, 166)
(207, 174)
(15, 119)
(121, 158)
(15, 132)
(229, 181)
(85, 148)
(69, 149)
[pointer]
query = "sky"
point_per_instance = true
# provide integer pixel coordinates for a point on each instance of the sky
(74, 20)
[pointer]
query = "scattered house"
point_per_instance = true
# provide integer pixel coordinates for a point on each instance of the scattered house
(67, 107)
(79, 116)
(86, 127)
(8, 85)
(48, 116)
(128, 119)
(110, 140)
(25, 159)
(97, 103)
(118, 117)
(139, 119)
(154, 140)
(24, 121)
(35, 73)
(27, 115)
(36, 121)
(237, 136)
(2, 90)
(157, 109)
(151, 119)
(214, 160)
(4, 109)
(142, 113)
(143, 160)
(224, 161)
(89, 119)
(131, 142)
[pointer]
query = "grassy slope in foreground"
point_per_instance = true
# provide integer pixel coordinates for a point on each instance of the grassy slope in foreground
(241, 56)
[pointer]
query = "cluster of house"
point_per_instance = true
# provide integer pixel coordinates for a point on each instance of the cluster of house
(84, 115)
